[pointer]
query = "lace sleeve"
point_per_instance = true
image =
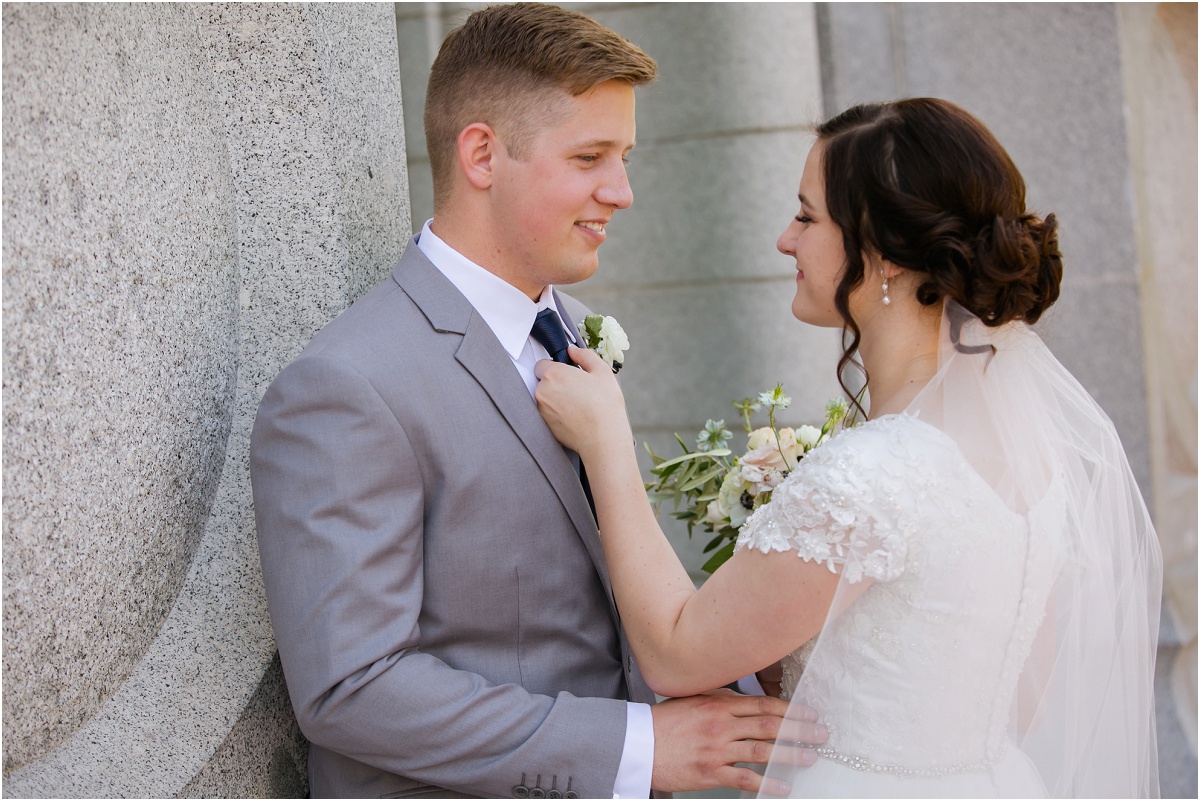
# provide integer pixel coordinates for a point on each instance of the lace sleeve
(847, 505)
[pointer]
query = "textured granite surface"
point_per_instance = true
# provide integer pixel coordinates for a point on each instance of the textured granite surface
(242, 766)
(120, 347)
(200, 188)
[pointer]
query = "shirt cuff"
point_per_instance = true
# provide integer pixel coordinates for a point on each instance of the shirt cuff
(750, 686)
(637, 758)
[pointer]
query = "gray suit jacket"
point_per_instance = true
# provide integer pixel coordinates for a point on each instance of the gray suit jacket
(433, 571)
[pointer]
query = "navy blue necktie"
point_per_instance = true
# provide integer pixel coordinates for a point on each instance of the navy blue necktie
(549, 333)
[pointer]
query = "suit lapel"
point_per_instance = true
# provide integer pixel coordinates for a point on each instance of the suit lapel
(481, 354)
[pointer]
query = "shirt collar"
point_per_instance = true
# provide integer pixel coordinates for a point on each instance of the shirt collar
(507, 310)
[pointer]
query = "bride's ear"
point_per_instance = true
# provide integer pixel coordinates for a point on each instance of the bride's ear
(875, 264)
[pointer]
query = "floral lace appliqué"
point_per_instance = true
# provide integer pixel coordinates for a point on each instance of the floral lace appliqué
(840, 506)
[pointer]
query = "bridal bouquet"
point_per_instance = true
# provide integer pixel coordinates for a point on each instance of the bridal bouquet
(716, 492)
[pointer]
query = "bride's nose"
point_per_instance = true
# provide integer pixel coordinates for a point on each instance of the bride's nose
(786, 244)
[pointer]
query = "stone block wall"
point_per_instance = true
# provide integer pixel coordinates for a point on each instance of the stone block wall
(190, 192)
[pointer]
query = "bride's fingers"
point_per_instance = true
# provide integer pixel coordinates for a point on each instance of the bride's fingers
(588, 359)
(542, 366)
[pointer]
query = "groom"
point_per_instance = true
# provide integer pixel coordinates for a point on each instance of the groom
(434, 573)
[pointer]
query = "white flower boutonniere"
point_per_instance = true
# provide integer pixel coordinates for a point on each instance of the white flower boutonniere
(605, 336)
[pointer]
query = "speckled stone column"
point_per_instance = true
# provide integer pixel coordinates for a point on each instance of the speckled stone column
(190, 192)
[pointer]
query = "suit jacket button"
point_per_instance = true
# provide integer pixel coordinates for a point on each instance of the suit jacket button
(520, 791)
(537, 792)
(570, 794)
(553, 794)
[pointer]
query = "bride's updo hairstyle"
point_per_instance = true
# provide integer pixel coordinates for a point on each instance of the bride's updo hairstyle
(926, 185)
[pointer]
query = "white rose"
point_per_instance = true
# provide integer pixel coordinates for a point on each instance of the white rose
(730, 498)
(613, 341)
(808, 436)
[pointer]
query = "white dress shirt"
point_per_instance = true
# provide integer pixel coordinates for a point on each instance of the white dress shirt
(510, 314)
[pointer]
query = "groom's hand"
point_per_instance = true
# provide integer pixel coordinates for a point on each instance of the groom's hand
(698, 741)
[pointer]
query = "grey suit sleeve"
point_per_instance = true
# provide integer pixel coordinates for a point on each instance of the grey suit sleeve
(339, 506)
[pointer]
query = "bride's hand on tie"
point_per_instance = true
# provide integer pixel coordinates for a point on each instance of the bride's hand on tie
(583, 406)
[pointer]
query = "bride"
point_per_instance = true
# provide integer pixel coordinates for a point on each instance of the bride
(966, 586)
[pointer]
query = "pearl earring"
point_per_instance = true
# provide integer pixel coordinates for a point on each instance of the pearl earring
(886, 300)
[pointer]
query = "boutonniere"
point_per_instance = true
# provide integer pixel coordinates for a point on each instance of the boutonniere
(605, 336)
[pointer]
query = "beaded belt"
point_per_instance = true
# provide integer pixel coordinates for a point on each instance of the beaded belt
(861, 763)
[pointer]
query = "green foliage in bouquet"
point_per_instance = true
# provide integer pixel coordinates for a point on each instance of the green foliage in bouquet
(715, 491)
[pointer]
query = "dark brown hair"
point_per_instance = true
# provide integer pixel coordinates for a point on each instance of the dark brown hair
(502, 66)
(926, 186)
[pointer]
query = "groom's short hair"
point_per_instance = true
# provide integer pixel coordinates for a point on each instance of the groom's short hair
(502, 67)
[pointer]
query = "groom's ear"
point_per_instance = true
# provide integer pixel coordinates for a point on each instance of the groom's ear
(478, 147)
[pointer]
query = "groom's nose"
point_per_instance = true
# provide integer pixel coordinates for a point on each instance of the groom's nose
(616, 191)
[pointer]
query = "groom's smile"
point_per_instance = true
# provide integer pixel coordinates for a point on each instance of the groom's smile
(554, 204)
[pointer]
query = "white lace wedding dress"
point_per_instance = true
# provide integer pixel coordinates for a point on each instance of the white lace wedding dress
(994, 627)
(916, 677)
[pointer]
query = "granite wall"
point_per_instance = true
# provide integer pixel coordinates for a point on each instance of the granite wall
(190, 192)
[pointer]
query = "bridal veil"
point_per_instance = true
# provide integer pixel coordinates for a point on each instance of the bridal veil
(1076, 693)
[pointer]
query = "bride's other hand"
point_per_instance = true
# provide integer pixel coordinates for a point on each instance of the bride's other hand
(584, 408)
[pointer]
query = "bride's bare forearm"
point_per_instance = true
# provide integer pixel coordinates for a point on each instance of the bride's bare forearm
(758, 606)
(650, 584)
